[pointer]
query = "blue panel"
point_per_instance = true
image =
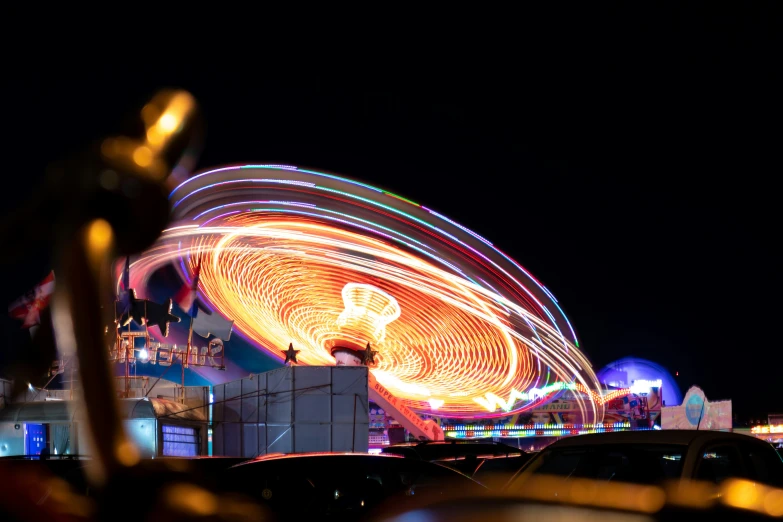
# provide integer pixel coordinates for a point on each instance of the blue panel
(35, 438)
(180, 441)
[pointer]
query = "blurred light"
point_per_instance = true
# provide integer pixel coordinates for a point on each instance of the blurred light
(600, 494)
(126, 453)
(691, 494)
(99, 235)
(30, 386)
(752, 496)
(342, 246)
(773, 503)
(168, 122)
(144, 355)
(143, 156)
(192, 500)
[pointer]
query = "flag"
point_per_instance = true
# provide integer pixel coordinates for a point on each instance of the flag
(124, 295)
(28, 307)
(206, 324)
(187, 296)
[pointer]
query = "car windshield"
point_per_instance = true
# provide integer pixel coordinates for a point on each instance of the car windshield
(638, 463)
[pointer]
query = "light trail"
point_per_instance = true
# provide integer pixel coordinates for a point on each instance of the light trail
(312, 259)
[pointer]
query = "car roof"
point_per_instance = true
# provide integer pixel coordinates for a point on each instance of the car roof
(676, 437)
(320, 454)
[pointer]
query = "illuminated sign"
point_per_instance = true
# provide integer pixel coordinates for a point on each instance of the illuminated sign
(643, 386)
(763, 430)
(165, 354)
(531, 430)
(402, 414)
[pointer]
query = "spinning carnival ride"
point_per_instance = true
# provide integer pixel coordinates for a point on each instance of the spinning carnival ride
(323, 262)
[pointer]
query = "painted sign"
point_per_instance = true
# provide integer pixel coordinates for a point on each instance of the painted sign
(165, 354)
(395, 407)
(697, 412)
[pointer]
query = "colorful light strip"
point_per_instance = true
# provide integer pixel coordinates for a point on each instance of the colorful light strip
(534, 430)
(763, 430)
(473, 332)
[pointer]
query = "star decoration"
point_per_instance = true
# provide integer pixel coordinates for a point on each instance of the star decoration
(369, 356)
(290, 354)
(143, 311)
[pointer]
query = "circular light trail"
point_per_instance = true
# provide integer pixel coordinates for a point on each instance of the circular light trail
(303, 257)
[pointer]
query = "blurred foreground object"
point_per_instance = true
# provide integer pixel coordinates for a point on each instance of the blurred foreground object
(556, 498)
(108, 202)
(120, 208)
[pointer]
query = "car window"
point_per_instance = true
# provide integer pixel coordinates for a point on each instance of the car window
(638, 463)
(495, 473)
(762, 462)
(719, 462)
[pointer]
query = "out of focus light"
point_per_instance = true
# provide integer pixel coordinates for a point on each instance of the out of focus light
(192, 500)
(126, 453)
(751, 496)
(168, 122)
(144, 355)
(99, 236)
(691, 494)
(30, 386)
(142, 156)
(584, 492)
(163, 122)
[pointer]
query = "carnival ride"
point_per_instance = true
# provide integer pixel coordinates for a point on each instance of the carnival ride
(325, 263)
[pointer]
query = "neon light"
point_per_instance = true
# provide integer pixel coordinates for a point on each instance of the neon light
(643, 386)
(480, 431)
(356, 183)
(763, 430)
(467, 331)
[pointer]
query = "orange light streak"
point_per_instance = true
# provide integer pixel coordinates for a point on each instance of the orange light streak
(444, 342)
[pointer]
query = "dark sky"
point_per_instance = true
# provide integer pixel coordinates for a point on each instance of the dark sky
(628, 159)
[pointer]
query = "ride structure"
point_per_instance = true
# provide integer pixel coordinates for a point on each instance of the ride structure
(457, 328)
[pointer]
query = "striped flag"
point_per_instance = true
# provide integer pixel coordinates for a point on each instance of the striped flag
(28, 308)
(205, 323)
(187, 296)
(124, 293)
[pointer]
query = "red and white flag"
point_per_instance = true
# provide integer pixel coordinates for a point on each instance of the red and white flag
(187, 296)
(28, 307)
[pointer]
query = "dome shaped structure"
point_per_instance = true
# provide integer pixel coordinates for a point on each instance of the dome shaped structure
(623, 372)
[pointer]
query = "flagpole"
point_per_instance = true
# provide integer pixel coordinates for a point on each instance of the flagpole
(127, 362)
(187, 356)
(193, 310)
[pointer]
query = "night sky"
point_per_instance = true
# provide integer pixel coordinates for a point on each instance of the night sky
(631, 161)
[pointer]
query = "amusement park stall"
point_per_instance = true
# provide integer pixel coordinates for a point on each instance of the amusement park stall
(290, 410)
(158, 427)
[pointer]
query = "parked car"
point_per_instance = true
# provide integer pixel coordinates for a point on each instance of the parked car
(344, 486)
(490, 463)
(441, 450)
(495, 472)
(649, 457)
